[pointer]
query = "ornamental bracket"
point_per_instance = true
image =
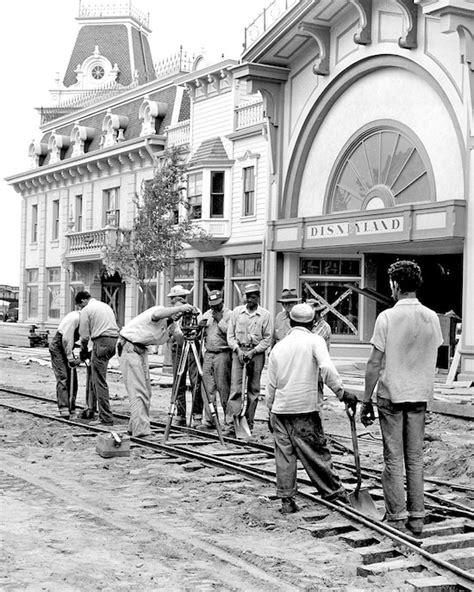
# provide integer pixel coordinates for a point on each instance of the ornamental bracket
(363, 36)
(322, 37)
(410, 14)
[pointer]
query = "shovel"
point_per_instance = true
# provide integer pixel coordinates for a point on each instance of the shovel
(360, 499)
(241, 426)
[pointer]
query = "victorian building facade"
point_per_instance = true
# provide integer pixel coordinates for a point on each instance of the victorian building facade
(369, 107)
(341, 141)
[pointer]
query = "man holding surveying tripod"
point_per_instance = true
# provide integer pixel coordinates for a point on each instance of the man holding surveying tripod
(148, 328)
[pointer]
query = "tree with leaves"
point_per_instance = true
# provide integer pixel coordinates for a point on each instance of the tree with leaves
(159, 233)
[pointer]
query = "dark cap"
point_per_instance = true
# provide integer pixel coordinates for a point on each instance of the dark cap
(289, 295)
(215, 297)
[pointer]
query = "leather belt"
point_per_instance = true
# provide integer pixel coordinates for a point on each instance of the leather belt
(132, 342)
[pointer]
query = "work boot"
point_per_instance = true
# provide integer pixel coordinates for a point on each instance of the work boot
(399, 525)
(415, 525)
(228, 430)
(196, 422)
(289, 506)
(179, 420)
(342, 498)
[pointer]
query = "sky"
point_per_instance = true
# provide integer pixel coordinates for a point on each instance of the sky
(36, 43)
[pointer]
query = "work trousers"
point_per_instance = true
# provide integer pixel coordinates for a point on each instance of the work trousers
(136, 376)
(103, 349)
(254, 372)
(194, 379)
(64, 375)
(301, 436)
(216, 369)
(403, 428)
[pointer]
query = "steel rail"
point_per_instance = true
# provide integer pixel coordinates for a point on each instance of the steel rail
(366, 472)
(176, 450)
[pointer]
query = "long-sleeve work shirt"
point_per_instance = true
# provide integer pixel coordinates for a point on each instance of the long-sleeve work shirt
(292, 380)
(215, 332)
(250, 329)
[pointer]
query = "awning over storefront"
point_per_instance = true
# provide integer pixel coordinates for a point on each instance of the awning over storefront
(404, 226)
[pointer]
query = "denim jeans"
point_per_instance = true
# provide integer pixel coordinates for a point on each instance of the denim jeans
(63, 375)
(403, 428)
(216, 369)
(301, 436)
(103, 349)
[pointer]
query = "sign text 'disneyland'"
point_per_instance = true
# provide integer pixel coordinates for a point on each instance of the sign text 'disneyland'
(355, 228)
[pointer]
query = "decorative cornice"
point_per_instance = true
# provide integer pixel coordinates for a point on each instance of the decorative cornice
(322, 36)
(363, 36)
(454, 21)
(268, 80)
(85, 166)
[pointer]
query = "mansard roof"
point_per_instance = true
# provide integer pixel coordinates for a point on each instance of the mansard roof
(112, 41)
(129, 110)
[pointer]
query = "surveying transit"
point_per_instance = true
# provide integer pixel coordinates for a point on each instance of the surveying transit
(191, 331)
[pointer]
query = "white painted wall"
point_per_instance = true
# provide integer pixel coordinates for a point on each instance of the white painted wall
(386, 94)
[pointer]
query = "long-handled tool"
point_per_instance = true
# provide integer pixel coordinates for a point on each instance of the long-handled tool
(360, 499)
(241, 426)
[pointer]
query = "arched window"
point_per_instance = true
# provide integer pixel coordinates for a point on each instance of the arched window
(382, 168)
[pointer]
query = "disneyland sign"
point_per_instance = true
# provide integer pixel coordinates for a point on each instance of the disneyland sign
(355, 228)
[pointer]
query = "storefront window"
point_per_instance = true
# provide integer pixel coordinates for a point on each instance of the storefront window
(383, 169)
(244, 271)
(54, 292)
(184, 273)
(327, 280)
(32, 292)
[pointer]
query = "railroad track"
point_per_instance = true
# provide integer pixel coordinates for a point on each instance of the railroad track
(443, 556)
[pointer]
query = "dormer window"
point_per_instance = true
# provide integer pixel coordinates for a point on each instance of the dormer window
(148, 114)
(113, 128)
(80, 138)
(57, 145)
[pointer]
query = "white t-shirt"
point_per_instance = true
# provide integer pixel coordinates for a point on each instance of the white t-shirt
(409, 335)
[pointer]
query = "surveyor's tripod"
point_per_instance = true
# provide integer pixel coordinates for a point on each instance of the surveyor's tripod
(190, 344)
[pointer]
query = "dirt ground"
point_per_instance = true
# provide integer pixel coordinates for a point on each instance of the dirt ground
(73, 521)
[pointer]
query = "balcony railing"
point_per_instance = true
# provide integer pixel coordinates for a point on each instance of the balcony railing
(117, 9)
(265, 20)
(179, 134)
(248, 115)
(91, 242)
